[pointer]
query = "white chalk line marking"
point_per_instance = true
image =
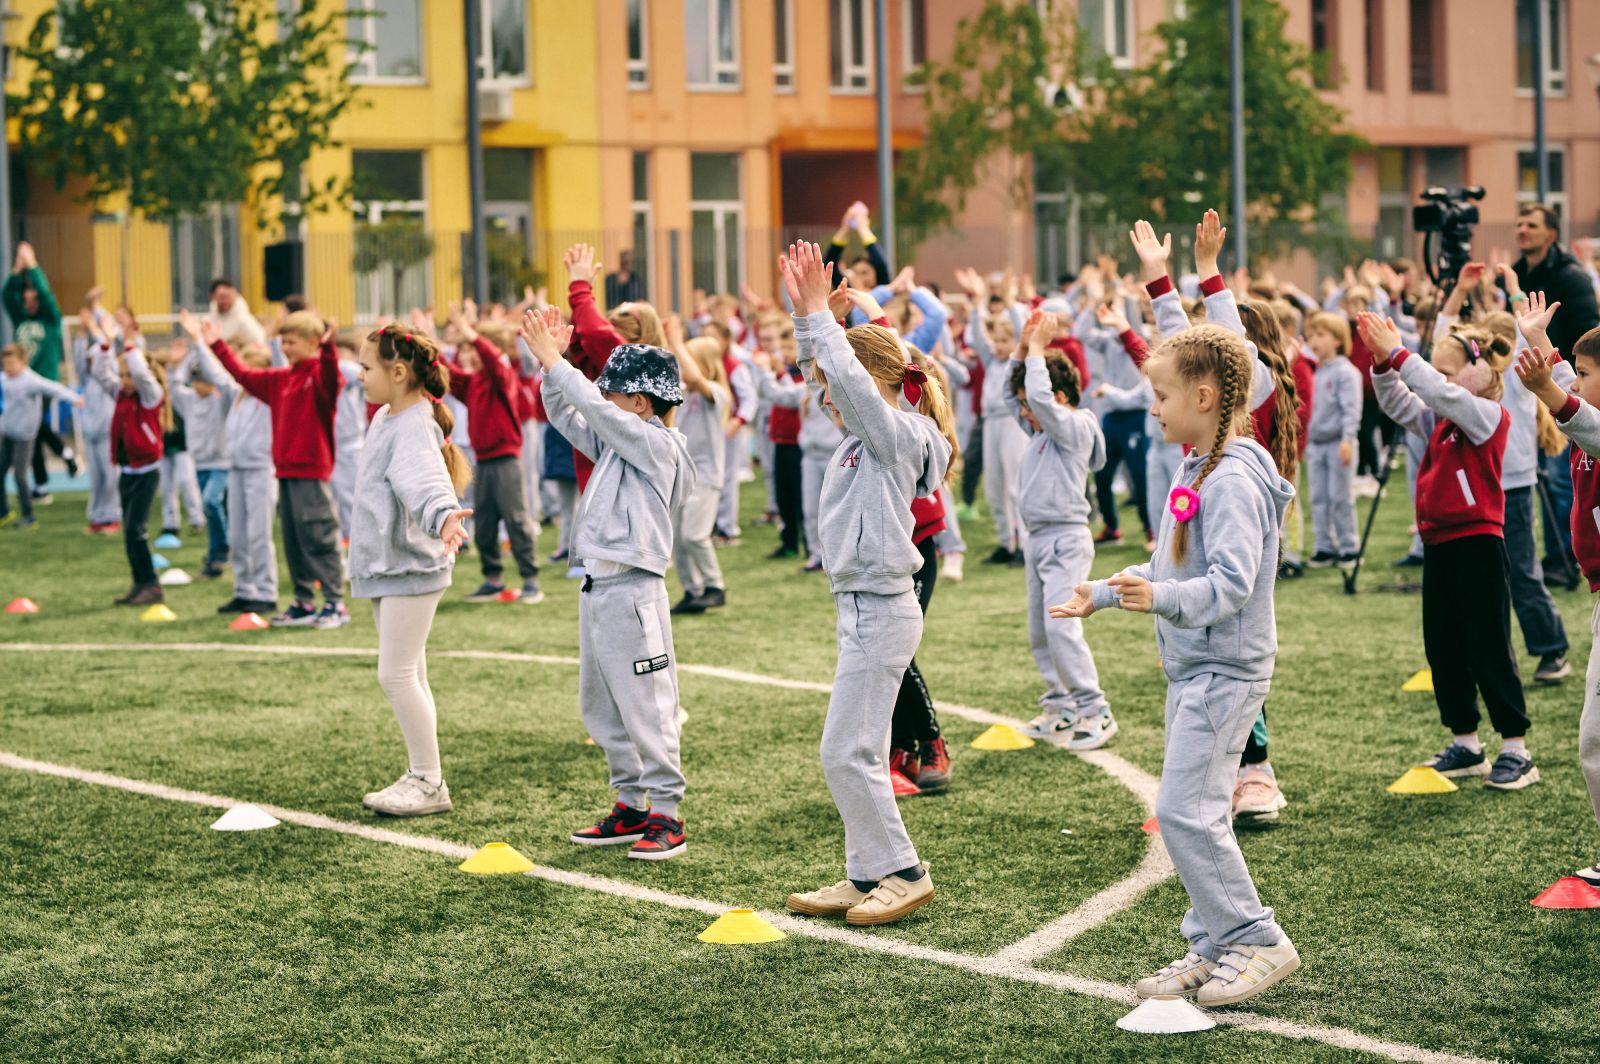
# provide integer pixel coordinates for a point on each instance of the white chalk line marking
(993, 966)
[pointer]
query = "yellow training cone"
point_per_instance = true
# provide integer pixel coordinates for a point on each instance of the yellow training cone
(1002, 737)
(1422, 780)
(158, 613)
(738, 926)
(1421, 683)
(497, 859)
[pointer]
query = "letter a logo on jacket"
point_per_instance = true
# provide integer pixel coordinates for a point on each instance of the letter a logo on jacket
(851, 460)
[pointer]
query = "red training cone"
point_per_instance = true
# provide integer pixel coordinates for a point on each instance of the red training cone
(1150, 827)
(249, 622)
(902, 785)
(510, 594)
(1569, 892)
(22, 605)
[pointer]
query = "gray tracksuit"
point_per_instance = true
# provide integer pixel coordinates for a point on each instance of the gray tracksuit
(403, 495)
(1054, 505)
(819, 438)
(1217, 636)
(252, 487)
(627, 671)
(1335, 419)
(23, 413)
(745, 400)
(204, 418)
(1003, 439)
(99, 405)
(701, 419)
(890, 456)
(349, 432)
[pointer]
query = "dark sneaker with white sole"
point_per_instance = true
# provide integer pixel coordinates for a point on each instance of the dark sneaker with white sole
(1456, 761)
(623, 824)
(332, 615)
(1321, 560)
(663, 839)
(531, 594)
(487, 592)
(1512, 772)
(1553, 668)
(298, 615)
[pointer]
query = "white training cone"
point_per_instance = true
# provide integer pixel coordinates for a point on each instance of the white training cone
(245, 818)
(174, 578)
(1166, 1015)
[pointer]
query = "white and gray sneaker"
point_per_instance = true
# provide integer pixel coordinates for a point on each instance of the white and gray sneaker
(1590, 875)
(410, 795)
(1246, 971)
(1050, 726)
(1091, 733)
(1181, 978)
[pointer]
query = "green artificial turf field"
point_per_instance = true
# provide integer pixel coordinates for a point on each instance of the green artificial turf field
(129, 930)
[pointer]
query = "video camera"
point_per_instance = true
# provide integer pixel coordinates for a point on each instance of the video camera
(1445, 211)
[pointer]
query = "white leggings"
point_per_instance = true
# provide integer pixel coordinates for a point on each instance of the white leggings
(403, 622)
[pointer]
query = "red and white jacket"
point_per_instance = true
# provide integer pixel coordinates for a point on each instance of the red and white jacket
(493, 408)
(303, 398)
(1581, 422)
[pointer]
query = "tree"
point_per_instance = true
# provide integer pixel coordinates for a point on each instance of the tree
(178, 105)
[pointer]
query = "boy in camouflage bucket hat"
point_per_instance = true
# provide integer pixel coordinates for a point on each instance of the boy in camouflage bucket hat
(641, 369)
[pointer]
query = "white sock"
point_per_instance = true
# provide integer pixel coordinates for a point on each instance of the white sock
(1515, 746)
(1470, 741)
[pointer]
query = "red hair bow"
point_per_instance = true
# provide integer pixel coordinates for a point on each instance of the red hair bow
(912, 383)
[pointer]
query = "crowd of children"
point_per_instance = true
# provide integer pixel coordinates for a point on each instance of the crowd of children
(860, 394)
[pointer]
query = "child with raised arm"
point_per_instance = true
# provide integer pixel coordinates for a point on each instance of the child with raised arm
(1210, 586)
(93, 342)
(627, 674)
(23, 391)
(703, 419)
(143, 414)
(1331, 452)
(891, 455)
(204, 408)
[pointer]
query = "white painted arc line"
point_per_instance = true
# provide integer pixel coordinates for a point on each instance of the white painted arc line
(995, 967)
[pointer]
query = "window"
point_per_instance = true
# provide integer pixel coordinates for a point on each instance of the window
(1107, 28)
(1552, 22)
(643, 245)
(508, 219)
(202, 246)
(387, 35)
(915, 25)
(712, 49)
(1325, 42)
(393, 250)
(638, 45)
(783, 45)
(850, 46)
(1427, 46)
(1374, 45)
(1555, 179)
(505, 40)
(716, 220)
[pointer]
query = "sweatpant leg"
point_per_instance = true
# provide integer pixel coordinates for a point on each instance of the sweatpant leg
(1055, 698)
(214, 502)
(628, 686)
(1003, 448)
(189, 487)
(568, 492)
(103, 506)
(171, 516)
(766, 451)
(1161, 467)
(972, 461)
(486, 518)
(532, 463)
(310, 522)
(1589, 722)
(345, 465)
(46, 441)
(728, 508)
(915, 720)
(1208, 720)
(1318, 482)
(785, 462)
(1061, 562)
(1558, 478)
(1255, 747)
(403, 623)
(138, 491)
(877, 634)
(521, 529)
(16, 456)
(1341, 480)
(698, 568)
(949, 541)
(1541, 625)
(812, 469)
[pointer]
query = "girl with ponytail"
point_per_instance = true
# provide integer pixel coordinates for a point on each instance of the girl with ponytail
(405, 529)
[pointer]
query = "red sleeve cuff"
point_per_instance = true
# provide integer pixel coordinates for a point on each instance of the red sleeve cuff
(881, 322)
(1569, 409)
(1129, 337)
(1159, 287)
(1212, 285)
(1396, 358)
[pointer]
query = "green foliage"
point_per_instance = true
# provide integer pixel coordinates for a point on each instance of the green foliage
(177, 105)
(396, 242)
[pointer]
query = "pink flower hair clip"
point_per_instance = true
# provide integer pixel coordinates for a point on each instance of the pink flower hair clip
(1183, 504)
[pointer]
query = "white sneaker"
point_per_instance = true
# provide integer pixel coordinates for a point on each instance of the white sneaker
(1256, 796)
(1246, 971)
(1181, 978)
(827, 901)
(954, 565)
(1091, 733)
(1051, 727)
(410, 795)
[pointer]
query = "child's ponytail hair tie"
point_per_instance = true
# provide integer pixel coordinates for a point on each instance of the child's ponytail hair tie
(912, 382)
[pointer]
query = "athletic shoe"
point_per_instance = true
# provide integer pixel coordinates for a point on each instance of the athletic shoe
(264, 607)
(1321, 560)
(905, 762)
(1590, 875)
(1456, 761)
(1181, 978)
(1150, 544)
(212, 570)
(1091, 733)
(145, 596)
(1348, 561)
(487, 592)
(28, 522)
(826, 901)
(332, 615)
(558, 556)
(1256, 797)
(1365, 486)
(531, 593)
(892, 899)
(933, 773)
(689, 604)
(623, 824)
(1018, 559)
(713, 598)
(7, 519)
(1410, 561)
(1051, 727)
(1111, 536)
(575, 572)
(813, 566)
(410, 795)
(663, 839)
(111, 528)
(952, 570)
(782, 553)
(298, 615)
(91, 529)
(1288, 570)
(1001, 556)
(233, 605)
(768, 518)
(1553, 668)
(1512, 772)
(42, 497)
(1245, 971)
(71, 459)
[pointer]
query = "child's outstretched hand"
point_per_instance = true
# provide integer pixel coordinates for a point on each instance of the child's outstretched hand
(580, 264)
(1209, 235)
(1112, 318)
(1153, 254)
(546, 335)
(1082, 604)
(862, 301)
(806, 278)
(839, 299)
(1025, 340)
(1049, 325)
(188, 323)
(1134, 592)
(452, 532)
(1379, 334)
(1533, 369)
(1534, 321)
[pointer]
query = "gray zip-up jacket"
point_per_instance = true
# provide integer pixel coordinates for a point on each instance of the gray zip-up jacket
(995, 383)
(1214, 609)
(818, 434)
(247, 427)
(205, 418)
(403, 495)
(98, 404)
(700, 420)
(1056, 466)
(643, 472)
(1336, 415)
(23, 413)
(890, 456)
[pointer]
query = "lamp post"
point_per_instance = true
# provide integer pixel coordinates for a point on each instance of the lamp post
(880, 26)
(477, 277)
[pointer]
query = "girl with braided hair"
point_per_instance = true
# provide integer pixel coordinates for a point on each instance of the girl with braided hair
(405, 529)
(1210, 586)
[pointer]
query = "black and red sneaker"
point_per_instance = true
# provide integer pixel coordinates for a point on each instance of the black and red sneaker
(663, 839)
(904, 762)
(934, 773)
(624, 824)
(1110, 535)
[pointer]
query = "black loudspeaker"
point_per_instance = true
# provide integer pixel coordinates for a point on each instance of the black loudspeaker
(284, 267)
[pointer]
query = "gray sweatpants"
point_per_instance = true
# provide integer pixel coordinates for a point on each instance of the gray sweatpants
(813, 467)
(311, 538)
(766, 451)
(105, 507)
(628, 686)
(878, 634)
(343, 485)
(949, 541)
(1209, 718)
(1059, 558)
(697, 558)
(1589, 722)
(497, 495)
(252, 498)
(1003, 445)
(179, 477)
(737, 461)
(532, 466)
(1333, 500)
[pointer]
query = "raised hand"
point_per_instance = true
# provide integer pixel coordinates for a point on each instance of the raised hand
(975, 286)
(1112, 318)
(580, 264)
(806, 277)
(1082, 604)
(1535, 319)
(1025, 340)
(546, 335)
(1379, 334)
(1209, 236)
(903, 281)
(863, 301)
(1153, 253)
(1045, 331)
(329, 333)
(839, 300)
(1533, 368)
(186, 321)
(673, 328)
(452, 532)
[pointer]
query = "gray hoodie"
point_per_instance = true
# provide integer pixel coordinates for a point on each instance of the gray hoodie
(643, 472)
(98, 404)
(889, 456)
(1058, 461)
(1336, 412)
(247, 428)
(23, 413)
(403, 494)
(1214, 608)
(700, 419)
(205, 418)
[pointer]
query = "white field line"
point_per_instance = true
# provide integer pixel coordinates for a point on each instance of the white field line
(1118, 898)
(994, 966)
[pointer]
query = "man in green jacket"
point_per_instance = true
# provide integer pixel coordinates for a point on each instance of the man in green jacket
(36, 322)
